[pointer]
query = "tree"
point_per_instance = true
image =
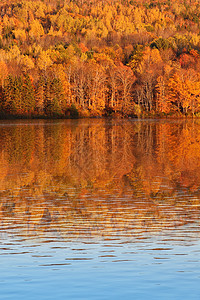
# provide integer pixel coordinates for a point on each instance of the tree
(3, 73)
(27, 63)
(163, 103)
(44, 61)
(79, 85)
(28, 95)
(125, 78)
(63, 73)
(96, 79)
(36, 30)
(13, 99)
(54, 98)
(40, 95)
(184, 90)
(112, 81)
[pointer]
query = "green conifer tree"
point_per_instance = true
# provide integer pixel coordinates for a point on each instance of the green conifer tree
(28, 95)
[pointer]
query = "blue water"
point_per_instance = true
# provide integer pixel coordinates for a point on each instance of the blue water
(157, 268)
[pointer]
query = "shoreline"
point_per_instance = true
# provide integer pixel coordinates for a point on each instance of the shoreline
(103, 116)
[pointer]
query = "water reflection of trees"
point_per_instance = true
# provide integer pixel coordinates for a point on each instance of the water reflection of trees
(99, 177)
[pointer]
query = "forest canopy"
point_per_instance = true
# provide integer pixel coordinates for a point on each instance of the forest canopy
(92, 58)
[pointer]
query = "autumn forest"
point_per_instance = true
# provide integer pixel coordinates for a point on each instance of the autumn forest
(62, 58)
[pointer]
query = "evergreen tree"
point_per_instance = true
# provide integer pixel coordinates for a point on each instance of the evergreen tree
(28, 95)
(54, 99)
(48, 98)
(40, 96)
(13, 98)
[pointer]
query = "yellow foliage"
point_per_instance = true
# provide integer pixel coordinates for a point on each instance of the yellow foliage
(163, 103)
(14, 54)
(27, 62)
(151, 58)
(184, 89)
(36, 30)
(20, 34)
(44, 61)
(3, 72)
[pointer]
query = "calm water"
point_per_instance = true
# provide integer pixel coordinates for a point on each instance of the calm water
(99, 209)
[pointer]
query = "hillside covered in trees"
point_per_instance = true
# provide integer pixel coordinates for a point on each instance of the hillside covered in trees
(91, 58)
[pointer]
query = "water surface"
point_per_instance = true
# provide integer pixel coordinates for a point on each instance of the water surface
(100, 209)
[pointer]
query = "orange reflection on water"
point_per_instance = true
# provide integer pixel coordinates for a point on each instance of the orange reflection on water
(80, 178)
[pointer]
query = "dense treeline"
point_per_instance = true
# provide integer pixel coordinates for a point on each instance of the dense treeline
(68, 58)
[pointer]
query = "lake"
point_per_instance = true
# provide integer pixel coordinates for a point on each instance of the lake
(100, 209)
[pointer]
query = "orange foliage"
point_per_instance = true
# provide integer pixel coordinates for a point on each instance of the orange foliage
(95, 42)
